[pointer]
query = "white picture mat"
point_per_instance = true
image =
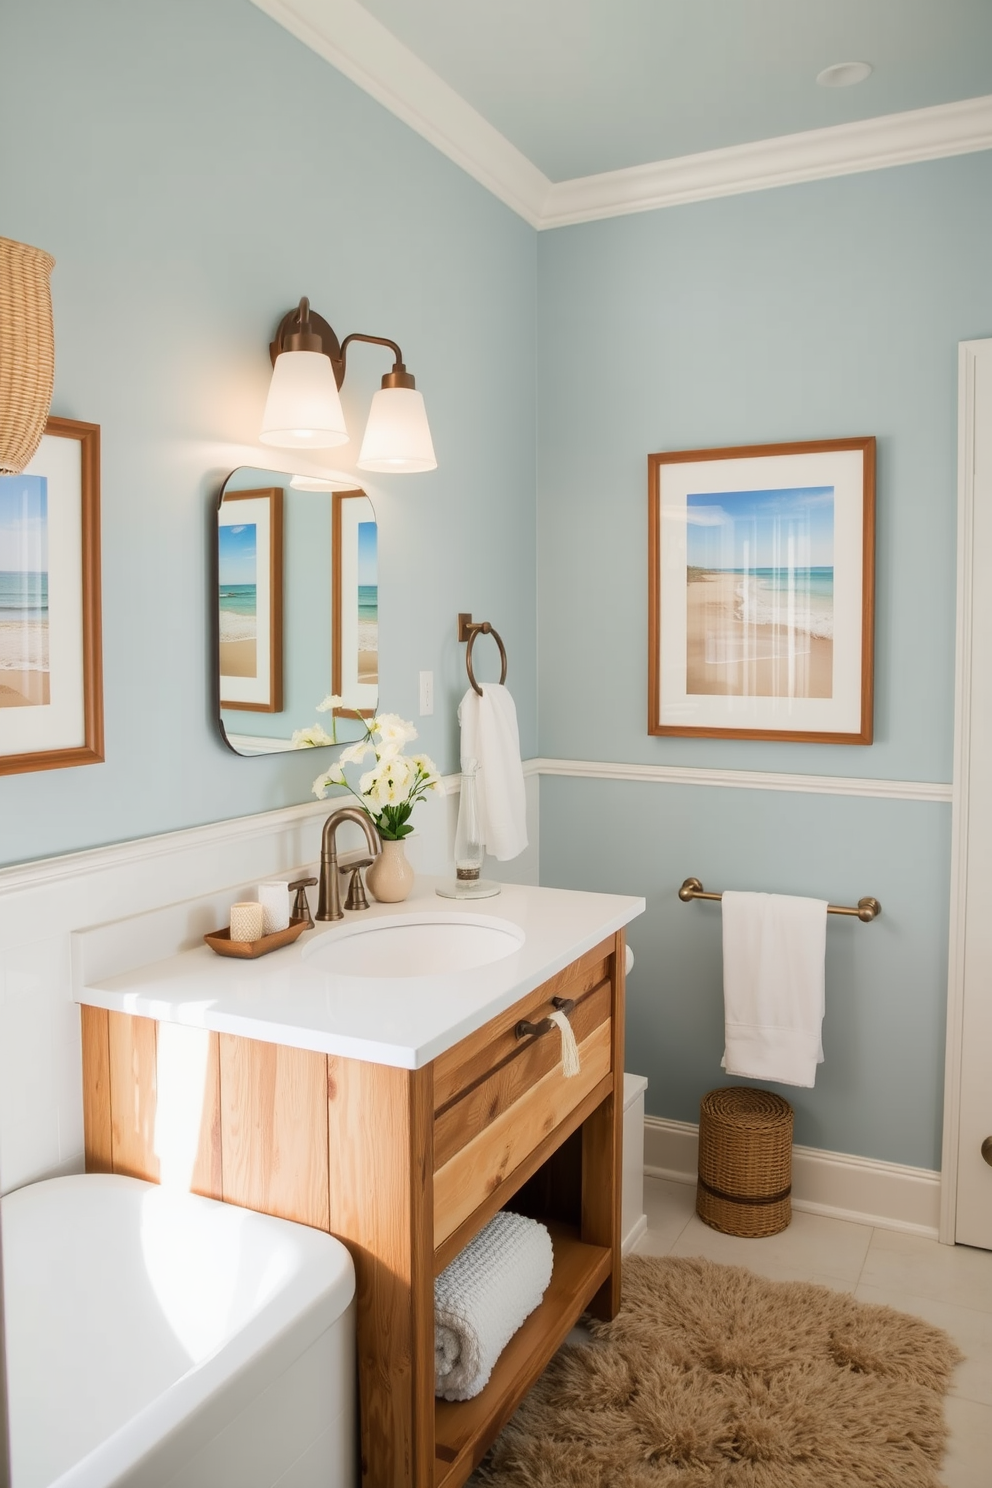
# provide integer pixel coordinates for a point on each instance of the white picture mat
(842, 469)
(257, 511)
(60, 723)
(361, 695)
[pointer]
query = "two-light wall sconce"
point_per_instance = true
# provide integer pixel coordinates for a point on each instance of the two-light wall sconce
(303, 409)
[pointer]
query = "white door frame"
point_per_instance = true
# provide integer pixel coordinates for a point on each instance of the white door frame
(969, 355)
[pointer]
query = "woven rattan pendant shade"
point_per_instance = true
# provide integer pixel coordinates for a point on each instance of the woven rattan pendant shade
(27, 351)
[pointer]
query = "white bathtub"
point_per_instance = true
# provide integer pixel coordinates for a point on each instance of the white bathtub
(159, 1340)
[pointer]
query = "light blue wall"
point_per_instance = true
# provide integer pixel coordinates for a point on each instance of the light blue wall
(194, 170)
(815, 311)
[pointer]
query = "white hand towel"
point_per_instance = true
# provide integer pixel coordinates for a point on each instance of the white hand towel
(482, 1298)
(773, 986)
(490, 736)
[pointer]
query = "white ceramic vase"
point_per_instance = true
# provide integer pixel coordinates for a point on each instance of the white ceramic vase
(390, 877)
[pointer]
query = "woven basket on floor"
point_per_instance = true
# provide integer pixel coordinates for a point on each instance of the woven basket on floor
(27, 351)
(745, 1162)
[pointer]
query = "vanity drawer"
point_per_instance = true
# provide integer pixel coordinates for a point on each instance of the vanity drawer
(460, 1069)
(497, 1097)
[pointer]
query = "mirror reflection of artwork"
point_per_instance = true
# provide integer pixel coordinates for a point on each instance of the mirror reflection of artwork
(368, 604)
(355, 631)
(24, 663)
(249, 597)
(760, 593)
(237, 557)
(313, 615)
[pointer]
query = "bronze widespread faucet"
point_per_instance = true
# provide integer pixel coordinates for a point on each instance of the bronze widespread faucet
(329, 896)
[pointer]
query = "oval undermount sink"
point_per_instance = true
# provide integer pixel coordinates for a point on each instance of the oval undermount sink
(414, 945)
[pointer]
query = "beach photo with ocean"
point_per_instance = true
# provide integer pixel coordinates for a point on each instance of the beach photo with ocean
(24, 633)
(368, 603)
(238, 599)
(760, 593)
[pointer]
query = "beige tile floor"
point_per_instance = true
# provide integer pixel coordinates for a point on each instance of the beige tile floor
(949, 1285)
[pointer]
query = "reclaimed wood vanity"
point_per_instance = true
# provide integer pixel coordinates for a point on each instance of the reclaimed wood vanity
(399, 1117)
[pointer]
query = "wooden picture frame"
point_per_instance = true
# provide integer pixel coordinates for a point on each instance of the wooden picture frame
(761, 592)
(250, 600)
(354, 633)
(51, 669)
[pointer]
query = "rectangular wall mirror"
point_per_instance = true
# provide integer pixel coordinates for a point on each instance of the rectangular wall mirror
(298, 611)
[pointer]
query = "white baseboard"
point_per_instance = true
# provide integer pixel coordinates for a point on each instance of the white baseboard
(637, 1229)
(835, 1184)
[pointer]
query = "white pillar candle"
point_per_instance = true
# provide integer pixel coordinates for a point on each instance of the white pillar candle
(274, 899)
(246, 921)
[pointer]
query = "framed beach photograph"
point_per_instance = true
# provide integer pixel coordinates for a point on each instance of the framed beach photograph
(51, 684)
(355, 622)
(761, 591)
(249, 596)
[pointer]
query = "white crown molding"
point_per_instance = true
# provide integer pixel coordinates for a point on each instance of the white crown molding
(840, 150)
(838, 1185)
(353, 41)
(815, 785)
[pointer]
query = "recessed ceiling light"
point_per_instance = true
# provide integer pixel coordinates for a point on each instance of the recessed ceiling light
(843, 74)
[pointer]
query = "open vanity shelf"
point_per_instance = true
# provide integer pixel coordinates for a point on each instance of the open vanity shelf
(405, 1165)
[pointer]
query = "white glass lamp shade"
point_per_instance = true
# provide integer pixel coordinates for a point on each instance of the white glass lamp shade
(303, 409)
(397, 435)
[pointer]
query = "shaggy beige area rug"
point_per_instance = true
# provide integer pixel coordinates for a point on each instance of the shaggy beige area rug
(712, 1377)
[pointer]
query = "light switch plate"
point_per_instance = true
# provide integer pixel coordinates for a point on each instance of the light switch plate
(426, 693)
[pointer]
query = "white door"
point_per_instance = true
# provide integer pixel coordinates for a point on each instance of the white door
(967, 1200)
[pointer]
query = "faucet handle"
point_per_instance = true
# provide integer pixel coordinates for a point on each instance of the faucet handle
(301, 905)
(356, 889)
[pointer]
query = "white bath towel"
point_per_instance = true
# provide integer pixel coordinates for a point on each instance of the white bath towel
(773, 986)
(481, 1299)
(490, 737)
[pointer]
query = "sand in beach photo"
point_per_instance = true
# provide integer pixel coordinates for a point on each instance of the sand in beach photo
(729, 655)
(760, 593)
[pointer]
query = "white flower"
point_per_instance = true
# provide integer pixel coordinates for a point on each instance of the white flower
(428, 770)
(311, 738)
(390, 782)
(393, 732)
(355, 753)
(330, 702)
(334, 776)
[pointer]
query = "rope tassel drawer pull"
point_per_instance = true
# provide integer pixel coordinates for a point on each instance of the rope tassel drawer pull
(558, 1019)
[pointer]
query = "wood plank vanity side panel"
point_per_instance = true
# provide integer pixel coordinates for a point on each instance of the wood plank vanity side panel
(97, 1119)
(602, 1156)
(274, 1129)
(380, 1145)
(133, 1095)
(470, 1060)
(480, 1167)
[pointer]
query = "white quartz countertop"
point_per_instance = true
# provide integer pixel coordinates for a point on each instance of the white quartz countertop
(283, 998)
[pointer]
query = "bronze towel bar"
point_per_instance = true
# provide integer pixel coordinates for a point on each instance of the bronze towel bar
(867, 909)
(468, 629)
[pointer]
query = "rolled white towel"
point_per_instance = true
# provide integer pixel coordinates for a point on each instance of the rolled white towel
(482, 1298)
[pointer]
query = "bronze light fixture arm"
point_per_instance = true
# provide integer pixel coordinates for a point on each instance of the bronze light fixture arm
(398, 377)
(303, 329)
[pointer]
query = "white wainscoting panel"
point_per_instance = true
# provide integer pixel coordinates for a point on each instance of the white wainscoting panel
(43, 902)
(836, 1184)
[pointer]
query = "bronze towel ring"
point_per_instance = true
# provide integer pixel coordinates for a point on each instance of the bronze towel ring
(468, 629)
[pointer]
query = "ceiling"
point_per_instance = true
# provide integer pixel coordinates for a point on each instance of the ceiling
(582, 86)
(574, 109)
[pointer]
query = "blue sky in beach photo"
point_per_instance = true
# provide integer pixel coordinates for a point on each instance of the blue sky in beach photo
(236, 547)
(738, 529)
(368, 567)
(24, 524)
